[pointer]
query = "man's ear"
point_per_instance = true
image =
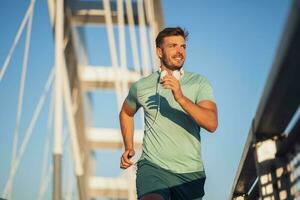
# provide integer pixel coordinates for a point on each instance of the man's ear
(159, 52)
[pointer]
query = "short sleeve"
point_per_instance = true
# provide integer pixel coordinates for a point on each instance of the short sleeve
(132, 97)
(205, 91)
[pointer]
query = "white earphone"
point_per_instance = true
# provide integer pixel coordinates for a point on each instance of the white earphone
(176, 73)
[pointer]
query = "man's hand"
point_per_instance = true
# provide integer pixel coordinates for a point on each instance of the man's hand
(204, 113)
(125, 159)
(170, 82)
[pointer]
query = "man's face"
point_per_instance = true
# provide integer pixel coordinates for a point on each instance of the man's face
(172, 52)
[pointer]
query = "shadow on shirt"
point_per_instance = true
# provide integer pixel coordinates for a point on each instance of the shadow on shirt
(178, 117)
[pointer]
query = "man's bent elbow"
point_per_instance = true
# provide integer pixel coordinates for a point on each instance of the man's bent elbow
(212, 127)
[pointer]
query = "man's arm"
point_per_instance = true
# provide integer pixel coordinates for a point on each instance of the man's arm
(126, 118)
(204, 113)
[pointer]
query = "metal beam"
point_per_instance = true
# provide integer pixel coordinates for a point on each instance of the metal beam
(76, 102)
(279, 102)
(97, 77)
(109, 187)
(59, 57)
(104, 138)
(92, 12)
(281, 96)
(84, 78)
(158, 16)
(246, 173)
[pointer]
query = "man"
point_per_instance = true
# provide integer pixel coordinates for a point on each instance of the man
(176, 104)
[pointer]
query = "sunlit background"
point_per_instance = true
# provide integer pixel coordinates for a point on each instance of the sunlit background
(232, 43)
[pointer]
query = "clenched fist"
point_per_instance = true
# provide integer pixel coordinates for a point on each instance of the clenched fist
(125, 158)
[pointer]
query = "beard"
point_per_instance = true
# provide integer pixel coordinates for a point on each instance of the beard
(170, 65)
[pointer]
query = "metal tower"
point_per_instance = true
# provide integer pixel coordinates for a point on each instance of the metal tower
(75, 81)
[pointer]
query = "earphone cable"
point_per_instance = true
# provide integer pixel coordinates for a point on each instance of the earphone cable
(158, 106)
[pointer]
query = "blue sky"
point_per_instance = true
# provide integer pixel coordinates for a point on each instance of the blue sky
(233, 43)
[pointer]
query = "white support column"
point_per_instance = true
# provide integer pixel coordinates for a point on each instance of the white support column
(121, 33)
(112, 48)
(59, 54)
(133, 41)
(144, 43)
(122, 47)
(143, 37)
(153, 32)
(73, 134)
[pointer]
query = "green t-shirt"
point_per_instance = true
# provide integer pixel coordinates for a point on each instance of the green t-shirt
(172, 137)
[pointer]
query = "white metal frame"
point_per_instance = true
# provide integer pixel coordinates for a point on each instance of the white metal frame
(61, 102)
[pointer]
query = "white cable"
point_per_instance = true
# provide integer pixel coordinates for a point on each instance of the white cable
(28, 134)
(150, 125)
(44, 171)
(46, 182)
(48, 175)
(21, 91)
(143, 38)
(133, 40)
(21, 95)
(46, 149)
(16, 40)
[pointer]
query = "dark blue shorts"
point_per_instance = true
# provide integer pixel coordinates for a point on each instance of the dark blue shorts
(152, 179)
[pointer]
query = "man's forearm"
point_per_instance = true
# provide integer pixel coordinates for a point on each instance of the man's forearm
(127, 129)
(204, 117)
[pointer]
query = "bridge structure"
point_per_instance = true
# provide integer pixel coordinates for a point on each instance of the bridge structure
(131, 27)
(270, 163)
(269, 168)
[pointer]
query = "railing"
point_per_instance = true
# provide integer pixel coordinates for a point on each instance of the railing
(270, 163)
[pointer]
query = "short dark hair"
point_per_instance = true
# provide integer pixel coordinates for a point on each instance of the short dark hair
(170, 31)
